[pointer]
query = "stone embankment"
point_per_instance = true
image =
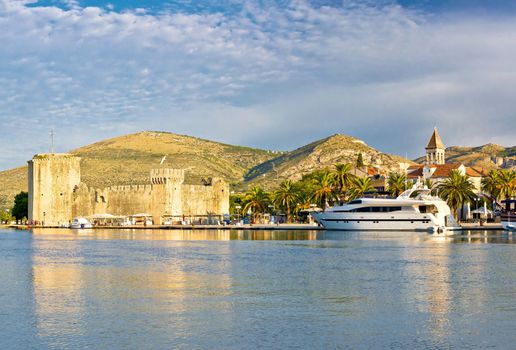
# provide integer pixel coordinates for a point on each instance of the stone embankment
(294, 227)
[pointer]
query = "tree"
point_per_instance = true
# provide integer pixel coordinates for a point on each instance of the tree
(286, 196)
(323, 183)
(397, 183)
(343, 179)
(235, 201)
(491, 184)
(360, 160)
(256, 200)
(507, 183)
(456, 190)
(5, 216)
(20, 209)
(360, 186)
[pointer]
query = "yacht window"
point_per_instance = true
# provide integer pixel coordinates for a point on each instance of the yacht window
(363, 210)
(422, 208)
(356, 201)
(394, 209)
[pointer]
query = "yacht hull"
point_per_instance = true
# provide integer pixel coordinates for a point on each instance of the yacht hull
(509, 226)
(353, 222)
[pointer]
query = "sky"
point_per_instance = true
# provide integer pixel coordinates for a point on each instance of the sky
(268, 74)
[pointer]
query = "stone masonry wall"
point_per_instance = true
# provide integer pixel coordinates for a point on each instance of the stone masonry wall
(52, 179)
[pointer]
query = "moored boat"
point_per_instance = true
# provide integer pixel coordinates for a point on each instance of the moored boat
(80, 222)
(509, 214)
(414, 210)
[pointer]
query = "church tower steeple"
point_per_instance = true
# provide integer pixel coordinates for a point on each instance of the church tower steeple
(435, 149)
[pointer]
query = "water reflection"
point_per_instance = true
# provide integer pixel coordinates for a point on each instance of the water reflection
(58, 287)
(157, 289)
(73, 284)
(179, 235)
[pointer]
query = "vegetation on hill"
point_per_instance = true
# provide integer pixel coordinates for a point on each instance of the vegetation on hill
(128, 160)
(318, 155)
(11, 183)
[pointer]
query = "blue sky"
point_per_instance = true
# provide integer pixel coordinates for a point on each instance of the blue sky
(268, 74)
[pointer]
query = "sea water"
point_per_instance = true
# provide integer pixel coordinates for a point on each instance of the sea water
(209, 289)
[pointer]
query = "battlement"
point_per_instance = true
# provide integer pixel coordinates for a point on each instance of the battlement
(59, 157)
(129, 188)
(166, 175)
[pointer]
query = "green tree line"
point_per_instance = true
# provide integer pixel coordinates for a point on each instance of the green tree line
(328, 187)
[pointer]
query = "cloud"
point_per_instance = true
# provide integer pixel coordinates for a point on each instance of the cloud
(266, 76)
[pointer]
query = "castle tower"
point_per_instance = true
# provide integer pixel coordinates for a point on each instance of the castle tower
(52, 179)
(166, 192)
(435, 149)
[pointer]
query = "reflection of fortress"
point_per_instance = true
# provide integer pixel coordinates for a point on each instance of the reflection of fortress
(56, 194)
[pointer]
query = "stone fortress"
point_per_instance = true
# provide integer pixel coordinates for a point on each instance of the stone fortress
(57, 195)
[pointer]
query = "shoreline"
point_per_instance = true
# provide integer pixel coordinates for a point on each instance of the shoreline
(272, 227)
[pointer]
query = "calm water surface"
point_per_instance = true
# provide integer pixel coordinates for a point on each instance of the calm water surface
(254, 290)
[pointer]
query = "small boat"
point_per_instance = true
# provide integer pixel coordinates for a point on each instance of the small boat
(414, 210)
(80, 222)
(509, 215)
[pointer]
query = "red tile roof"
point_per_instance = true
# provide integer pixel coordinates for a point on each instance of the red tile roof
(443, 170)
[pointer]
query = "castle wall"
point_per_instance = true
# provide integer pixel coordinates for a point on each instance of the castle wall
(204, 200)
(56, 194)
(127, 200)
(52, 179)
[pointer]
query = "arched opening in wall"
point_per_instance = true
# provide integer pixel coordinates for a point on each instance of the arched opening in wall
(102, 199)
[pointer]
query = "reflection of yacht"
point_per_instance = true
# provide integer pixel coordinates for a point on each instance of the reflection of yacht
(414, 209)
(80, 223)
(509, 214)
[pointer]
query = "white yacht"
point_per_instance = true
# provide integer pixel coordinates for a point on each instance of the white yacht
(509, 215)
(80, 222)
(414, 210)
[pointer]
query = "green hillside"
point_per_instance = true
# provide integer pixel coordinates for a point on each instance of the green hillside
(128, 160)
(319, 155)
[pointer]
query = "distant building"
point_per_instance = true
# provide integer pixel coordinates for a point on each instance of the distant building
(435, 150)
(436, 169)
(57, 195)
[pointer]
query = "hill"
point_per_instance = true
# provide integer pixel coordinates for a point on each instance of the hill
(129, 159)
(319, 155)
(489, 156)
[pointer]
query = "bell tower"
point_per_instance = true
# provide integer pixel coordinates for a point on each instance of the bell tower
(435, 151)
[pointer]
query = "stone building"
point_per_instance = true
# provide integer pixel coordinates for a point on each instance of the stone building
(437, 170)
(57, 195)
(435, 150)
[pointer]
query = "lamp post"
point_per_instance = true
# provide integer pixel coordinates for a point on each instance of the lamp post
(476, 204)
(238, 207)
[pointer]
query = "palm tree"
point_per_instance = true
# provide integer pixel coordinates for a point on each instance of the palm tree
(286, 196)
(431, 186)
(323, 182)
(360, 186)
(397, 183)
(343, 179)
(491, 184)
(456, 190)
(507, 180)
(256, 200)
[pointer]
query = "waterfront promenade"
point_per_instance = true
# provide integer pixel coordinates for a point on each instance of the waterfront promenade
(291, 227)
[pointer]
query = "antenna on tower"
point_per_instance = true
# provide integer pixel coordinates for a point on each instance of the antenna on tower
(52, 140)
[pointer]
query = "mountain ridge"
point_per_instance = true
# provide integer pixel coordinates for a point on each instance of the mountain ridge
(128, 159)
